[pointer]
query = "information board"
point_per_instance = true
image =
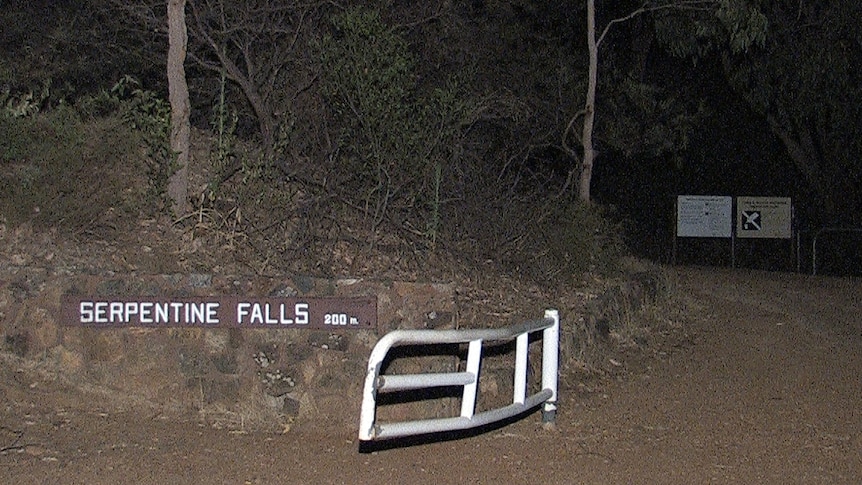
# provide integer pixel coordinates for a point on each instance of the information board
(764, 217)
(704, 216)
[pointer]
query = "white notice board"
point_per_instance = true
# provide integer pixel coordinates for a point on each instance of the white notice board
(764, 217)
(704, 216)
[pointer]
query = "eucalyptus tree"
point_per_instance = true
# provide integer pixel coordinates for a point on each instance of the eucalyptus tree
(683, 25)
(806, 83)
(257, 45)
(803, 79)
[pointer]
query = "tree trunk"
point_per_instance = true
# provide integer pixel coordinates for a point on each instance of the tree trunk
(586, 176)
(178, 93)
(805, 159)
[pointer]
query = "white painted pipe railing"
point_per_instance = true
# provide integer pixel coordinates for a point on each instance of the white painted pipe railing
(375, 383)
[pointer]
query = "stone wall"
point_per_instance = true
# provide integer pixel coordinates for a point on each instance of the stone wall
(249, 378)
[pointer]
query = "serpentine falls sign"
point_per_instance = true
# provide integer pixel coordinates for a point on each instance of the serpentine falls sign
(331, 313)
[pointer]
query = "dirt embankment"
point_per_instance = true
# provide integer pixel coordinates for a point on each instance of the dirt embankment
(267, 379)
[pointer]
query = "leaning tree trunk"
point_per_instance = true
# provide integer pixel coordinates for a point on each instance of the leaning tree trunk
(178, 93)
(586, 176)
(805, 158)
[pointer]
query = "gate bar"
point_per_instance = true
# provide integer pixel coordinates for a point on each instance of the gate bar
(374, 382)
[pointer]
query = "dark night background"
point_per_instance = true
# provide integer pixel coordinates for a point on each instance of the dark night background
(751, 98)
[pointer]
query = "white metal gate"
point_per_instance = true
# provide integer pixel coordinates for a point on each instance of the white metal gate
(370, 429)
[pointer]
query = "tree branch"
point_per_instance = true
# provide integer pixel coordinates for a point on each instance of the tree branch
(571, 151)
(646, 8)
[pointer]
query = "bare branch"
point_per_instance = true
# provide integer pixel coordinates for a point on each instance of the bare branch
(646, 8)
(570, 127)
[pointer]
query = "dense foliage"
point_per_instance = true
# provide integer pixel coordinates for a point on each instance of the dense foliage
(450, 123)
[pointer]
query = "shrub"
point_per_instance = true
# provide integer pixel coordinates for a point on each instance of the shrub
(59, 170)
(559, 241)
(584, 238)
(396, 143)
(150, 116)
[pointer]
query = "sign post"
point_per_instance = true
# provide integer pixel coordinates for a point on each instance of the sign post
(703, 216)
(765, 218)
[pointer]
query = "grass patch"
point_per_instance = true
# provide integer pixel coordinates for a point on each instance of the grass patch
(61, 171)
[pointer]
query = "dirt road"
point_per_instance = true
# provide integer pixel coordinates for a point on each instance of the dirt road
(764, 385)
